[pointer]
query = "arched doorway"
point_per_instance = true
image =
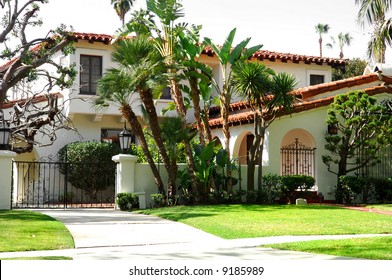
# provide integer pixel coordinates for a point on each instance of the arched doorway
(297, 153)
(242, 146)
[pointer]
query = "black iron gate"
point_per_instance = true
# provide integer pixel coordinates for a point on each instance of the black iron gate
(298, 159)
(63, 185)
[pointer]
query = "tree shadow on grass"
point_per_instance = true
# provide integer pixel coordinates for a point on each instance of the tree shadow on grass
(184, 216)
(278, 207)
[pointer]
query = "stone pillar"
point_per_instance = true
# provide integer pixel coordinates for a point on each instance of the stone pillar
(5, 175)
(125, 180)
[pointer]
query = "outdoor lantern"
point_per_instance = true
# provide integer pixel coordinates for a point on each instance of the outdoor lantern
(332, 129)
(5, 133)
(125, 139)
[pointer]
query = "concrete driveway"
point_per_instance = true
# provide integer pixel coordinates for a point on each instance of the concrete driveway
(106, 234)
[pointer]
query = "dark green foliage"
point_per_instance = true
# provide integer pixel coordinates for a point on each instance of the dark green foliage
(366, 189)
(127, 201)
(363, 128)
(291, 183)
(354, 67)
(383, 189)
(88, 165)
(158, 199)
(269, 194)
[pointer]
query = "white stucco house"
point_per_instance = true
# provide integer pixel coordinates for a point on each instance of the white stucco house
(305, 127)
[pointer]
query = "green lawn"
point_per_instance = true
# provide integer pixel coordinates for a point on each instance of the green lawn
(32, 231)
(376, 248)
(246, 221)
(384, 207)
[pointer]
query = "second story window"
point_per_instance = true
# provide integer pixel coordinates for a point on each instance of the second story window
(90, 73)
(316, 79)
(166, 93)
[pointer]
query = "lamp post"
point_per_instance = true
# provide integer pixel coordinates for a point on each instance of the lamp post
(5, 133)
(125, 139)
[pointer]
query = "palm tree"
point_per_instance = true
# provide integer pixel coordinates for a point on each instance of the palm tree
(320, 30)
(228, 57)
(344, 40)
(373, 13)
(114, 87)
(122, 7)
(163, 34)
(142, 63)
(268, 94)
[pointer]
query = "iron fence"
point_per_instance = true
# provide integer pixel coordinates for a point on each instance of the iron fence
(63, 184)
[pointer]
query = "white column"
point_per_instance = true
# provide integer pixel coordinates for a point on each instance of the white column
(5, 182)
(125, 181)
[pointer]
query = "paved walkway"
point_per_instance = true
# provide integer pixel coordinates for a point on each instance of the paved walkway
(105, 234)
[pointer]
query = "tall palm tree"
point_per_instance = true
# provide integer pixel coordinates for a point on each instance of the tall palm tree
(320, 30)
(114, 87)
(268, 94)
(373, 12)
(163, 34)
(228, 57)
(142, 63)
(122, 7)
(344, 40)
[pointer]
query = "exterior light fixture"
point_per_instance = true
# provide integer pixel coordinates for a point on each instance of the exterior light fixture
(5, 133)
(125, 139)
(332, 129)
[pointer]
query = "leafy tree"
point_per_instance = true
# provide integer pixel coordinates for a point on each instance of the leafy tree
(364, 127)
(122, 7)
(354, 67)
(266, 93)
(24, 58)
(87, 165)
(320, 30)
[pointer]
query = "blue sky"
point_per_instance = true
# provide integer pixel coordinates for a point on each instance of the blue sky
(280, 25)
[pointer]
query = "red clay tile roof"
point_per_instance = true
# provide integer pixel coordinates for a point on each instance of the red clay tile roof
(92, 37)
(284, 57)
(311, 91)
(248, 116)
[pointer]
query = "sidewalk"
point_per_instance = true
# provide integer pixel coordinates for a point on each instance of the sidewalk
(105, 234)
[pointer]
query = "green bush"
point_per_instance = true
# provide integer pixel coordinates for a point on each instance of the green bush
(364, 188)
(292, 183)
(383, 189)
(158, 199)
(127, 201)
(89, 166)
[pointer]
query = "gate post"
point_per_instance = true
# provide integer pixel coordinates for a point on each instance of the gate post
(5, 182)
(125, 176)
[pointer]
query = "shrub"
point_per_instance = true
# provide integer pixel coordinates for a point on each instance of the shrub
(89, 165)
(272, 187)
(383, 189)
(158, 199)
(291, 183)
(127, 201)
(353, 186)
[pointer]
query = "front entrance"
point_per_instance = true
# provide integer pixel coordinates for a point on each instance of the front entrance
(63, 185)
(298, 159)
